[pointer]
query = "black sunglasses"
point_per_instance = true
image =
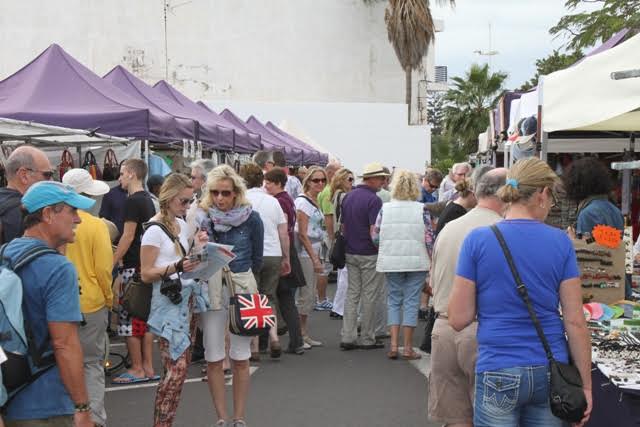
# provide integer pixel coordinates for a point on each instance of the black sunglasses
(185, 202)
(224, 193)
(318, 180)
(45, 174)
(350, 179)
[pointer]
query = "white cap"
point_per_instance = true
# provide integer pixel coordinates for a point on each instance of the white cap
(82, 182)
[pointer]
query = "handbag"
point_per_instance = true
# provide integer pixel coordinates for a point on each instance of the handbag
(295, 279)
(566, 397)
(137, 298)
(430, 321)
(249, 314)
(91, 165)
(110, 169)
(66, 163)
(338, 252)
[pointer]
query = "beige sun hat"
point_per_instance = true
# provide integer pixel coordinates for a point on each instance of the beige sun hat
(82, 182)
(374, 169)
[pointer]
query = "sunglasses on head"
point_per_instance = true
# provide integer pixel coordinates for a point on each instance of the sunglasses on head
(318, 180)
(223, 193)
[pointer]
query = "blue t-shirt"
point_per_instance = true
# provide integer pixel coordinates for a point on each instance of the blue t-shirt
(544, 257)
(50, 287)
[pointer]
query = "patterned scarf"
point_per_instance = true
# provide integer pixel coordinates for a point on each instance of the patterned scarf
(224, 221)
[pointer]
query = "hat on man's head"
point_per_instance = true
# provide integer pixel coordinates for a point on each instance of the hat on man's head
(374, 169)
(82, 182)
(49, 193)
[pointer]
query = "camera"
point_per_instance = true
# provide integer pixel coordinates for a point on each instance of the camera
(172, 288)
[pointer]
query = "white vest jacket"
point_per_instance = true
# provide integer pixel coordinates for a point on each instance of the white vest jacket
(402, 246)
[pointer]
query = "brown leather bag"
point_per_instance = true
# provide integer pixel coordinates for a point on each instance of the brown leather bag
(110, 170)
(66, 163)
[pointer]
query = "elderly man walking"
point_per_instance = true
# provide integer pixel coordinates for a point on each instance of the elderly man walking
(360, 210)
(51, 308)
(453, 354)
(24, 167)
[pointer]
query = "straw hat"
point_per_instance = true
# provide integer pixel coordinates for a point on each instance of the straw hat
(374, 169)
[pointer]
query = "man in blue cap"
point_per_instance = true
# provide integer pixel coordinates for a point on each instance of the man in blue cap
(51, 309)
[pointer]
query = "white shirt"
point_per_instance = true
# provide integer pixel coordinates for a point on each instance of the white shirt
(168, 252)
(272, 215)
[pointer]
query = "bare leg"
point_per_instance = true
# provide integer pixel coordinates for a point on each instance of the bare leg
(147, 354)
(303, 324)
(215, 380)
(395, 332)
(321, 286)
(134, 347)
(240, 387)
(407, 331)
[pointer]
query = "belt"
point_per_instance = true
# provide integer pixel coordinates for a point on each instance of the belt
(445, 317)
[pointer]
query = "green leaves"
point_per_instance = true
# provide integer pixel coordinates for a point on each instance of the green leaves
(554, 62)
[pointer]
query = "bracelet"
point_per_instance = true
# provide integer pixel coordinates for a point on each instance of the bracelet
(83, 407)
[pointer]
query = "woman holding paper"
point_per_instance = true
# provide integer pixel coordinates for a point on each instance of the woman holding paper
(226, 214)
(172, 317)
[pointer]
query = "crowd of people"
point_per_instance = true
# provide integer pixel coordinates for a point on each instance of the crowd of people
(410, 240)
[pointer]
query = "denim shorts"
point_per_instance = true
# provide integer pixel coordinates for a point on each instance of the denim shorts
(514, 397)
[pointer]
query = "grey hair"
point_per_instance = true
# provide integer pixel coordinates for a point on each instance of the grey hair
(205, 166)
(433, 175)
(19, 159)
(489, 184)
(457, 166)
(479, 173)
(262, 157)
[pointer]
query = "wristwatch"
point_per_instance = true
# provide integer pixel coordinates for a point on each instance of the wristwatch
(83, 407)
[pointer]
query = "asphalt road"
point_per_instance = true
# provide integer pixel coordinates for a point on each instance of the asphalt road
(323, 387)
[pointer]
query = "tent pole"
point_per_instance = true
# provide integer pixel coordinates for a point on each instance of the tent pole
(543, 137)
(626, 177)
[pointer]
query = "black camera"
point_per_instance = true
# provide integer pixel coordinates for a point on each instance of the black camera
(172, 289)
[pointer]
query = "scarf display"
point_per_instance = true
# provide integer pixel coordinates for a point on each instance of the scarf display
(225, 221)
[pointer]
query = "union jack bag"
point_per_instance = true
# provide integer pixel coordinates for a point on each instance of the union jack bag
(249, 314)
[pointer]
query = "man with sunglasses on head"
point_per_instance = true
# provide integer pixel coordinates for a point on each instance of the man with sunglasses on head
(24, 167)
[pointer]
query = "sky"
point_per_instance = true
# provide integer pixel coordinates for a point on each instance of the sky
(519, 32)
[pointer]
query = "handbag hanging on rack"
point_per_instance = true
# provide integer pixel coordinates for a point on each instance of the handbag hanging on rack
(249, 314)
(66, 163)
(110, 169)
(566, 397)
(91, 165)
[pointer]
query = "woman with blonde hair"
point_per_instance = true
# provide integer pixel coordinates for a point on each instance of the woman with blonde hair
(227, 216)
(163, 256)
(512, 369)
(465, 201)
(402, 233)
(310, 233)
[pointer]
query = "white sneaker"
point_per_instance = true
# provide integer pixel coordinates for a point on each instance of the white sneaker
(306, 346)
(311, 342)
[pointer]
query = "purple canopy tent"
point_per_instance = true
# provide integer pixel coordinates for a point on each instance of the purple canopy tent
(292, 155)
(308, 156)
(58, 90)
(243, 141)
(322, 158)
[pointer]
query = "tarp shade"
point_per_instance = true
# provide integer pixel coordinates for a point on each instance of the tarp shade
(315, 156)
(243, 141)
(308, 157)
(584, 97)
(58, 90)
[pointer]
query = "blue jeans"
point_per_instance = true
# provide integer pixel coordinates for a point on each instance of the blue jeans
(403, 296)
(514, 397)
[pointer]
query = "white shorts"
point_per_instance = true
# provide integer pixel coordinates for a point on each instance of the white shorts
(215, 325)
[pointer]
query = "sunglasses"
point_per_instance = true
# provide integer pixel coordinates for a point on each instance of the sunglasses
(223, 193)
(194, 177)
(433, 187)
(350, 179)
(318, 180)
(45, 174)
(185, 202)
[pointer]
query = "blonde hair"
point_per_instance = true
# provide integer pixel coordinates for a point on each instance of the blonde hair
(404, 186)
(313, 169)
(339, 181)
(525, 178)
(172, 186)
(221, 173)
(463, 187)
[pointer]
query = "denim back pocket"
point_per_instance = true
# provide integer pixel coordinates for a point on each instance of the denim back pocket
(501, 392)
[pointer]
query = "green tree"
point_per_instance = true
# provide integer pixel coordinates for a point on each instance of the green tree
(554, 62)
(411, 30)
(584, 29)
(435, 112)
(445, 152)
(468, 103)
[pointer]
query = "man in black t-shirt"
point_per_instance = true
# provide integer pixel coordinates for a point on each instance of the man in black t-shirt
(138, 209)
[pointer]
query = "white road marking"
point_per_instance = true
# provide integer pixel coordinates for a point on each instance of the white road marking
(155, 383)
(422, 365)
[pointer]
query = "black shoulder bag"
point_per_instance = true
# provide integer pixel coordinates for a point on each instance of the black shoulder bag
(566, 397)
(338, 252)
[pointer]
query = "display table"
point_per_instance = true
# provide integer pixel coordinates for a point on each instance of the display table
(613, 406)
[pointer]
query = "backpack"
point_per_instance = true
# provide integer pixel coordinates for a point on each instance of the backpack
(16, 337)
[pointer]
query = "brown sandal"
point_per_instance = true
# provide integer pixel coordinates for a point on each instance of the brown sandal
(392, 354)
(411, 356)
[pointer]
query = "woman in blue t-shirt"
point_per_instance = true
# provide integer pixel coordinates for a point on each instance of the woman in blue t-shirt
(512, 374)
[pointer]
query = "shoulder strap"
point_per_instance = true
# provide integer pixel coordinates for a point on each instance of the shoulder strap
(522, 290)
(339, 199)
(167, 232)
(312, 203)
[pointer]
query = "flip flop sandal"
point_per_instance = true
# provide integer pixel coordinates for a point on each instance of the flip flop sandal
(127, 378)
(392, 354)
(411, 356)
(154, 378)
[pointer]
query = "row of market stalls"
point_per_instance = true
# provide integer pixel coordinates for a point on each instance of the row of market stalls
(55, 90)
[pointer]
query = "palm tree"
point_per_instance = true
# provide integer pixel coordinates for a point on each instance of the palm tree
(469, 101)
(411, 30)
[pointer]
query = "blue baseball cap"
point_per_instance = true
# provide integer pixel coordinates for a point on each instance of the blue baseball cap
(48, 193)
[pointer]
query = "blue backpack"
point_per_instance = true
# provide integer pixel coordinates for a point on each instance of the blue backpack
(16, 337)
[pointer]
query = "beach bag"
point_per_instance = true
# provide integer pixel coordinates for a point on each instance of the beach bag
(91, 165)
(110, 169)
(249, 313)
(136, 300)
(66, 163)
(16, 337)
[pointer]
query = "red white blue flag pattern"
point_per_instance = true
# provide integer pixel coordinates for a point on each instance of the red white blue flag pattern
(255, 311)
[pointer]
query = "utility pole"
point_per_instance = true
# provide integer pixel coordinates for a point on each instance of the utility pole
(489, 53)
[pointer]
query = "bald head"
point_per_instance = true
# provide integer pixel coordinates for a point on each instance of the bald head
(489, 183)
(332, 168)
(25, 166)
